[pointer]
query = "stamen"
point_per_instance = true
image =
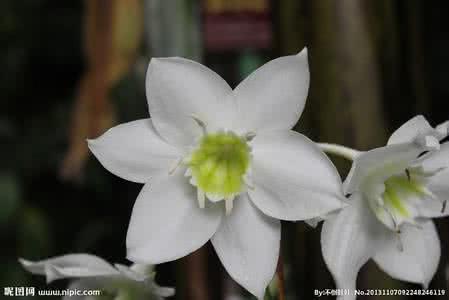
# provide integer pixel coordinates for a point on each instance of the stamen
(249, 136)
(200, 123)
(201, 198)
(174, 166)
(217, 167)
(229, 204)
(395, 223)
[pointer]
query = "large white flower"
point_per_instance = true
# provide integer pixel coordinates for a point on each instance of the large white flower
(395, 191)
(93, 273)
(220, 164)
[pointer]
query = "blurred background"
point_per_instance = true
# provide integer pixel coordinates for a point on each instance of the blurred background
(72, 69)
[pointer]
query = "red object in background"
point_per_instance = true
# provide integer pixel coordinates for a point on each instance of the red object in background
(230, 25)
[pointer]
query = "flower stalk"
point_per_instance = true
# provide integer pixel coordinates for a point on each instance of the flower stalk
(339, 150)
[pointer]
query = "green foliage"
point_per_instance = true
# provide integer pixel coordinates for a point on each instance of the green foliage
(10, 198)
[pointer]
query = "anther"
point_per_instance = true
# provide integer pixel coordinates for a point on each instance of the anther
(249, 136)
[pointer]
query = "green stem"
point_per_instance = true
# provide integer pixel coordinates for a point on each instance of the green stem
(345, 152)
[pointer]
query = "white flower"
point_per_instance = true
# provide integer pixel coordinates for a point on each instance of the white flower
(233, 148)
(93, 273)
(395, 191)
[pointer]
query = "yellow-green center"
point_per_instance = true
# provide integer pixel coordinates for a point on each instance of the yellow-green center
(219, 163)
(400, 189)
(397, 204)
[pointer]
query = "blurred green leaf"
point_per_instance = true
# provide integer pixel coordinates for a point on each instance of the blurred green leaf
(10, 197)
(33, 234)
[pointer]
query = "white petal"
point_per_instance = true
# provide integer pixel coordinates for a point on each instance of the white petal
(178, 89)
(142, 269)
(142, 273)
(166, 222)
(134, 151)
(130, 273)
(436, 160)
(410, 130)
(273, 97)
(348, 240)
(293, 178)
(443, 130)
(162, 291)
(379, 164)
(439, 186)
(419, 259)
(70, 265)
(433, 208)
(247, 244)
(438, 205)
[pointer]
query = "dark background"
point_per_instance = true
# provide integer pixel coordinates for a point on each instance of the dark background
(374, 65)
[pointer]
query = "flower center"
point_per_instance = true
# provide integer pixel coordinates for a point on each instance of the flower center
(399, 202)
(218, 167)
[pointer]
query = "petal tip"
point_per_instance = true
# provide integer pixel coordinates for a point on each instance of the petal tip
(260, 295)
(90, 142)
(24, 262)
(303, 52)
(302, 56)
(92, 145)
(155, 60)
